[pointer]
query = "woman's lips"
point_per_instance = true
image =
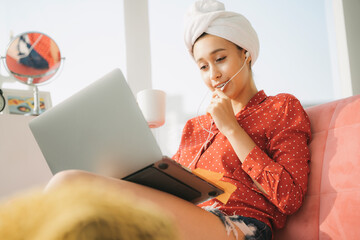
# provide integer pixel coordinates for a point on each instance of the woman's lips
(222, 85)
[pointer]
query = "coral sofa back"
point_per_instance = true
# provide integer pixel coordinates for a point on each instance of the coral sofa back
(332, 206)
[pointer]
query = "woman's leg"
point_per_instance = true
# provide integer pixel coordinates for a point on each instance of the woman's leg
(192, 222)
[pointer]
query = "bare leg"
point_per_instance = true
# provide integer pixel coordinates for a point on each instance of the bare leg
(192, 222)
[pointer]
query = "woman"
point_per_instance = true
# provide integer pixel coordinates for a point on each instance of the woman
(259, 142)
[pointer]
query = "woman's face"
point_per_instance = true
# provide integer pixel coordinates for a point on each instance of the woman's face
(218, 60)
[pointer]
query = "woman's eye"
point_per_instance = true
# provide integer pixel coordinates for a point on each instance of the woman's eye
(220, 59)
(203, 67)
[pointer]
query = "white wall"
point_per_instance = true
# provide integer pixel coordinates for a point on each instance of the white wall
(137, 44)
(351, 9)
(340, 64)
(90, 34)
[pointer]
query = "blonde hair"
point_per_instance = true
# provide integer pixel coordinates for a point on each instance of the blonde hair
(82, 211)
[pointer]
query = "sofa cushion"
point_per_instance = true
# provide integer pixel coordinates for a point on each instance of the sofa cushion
(330, 207)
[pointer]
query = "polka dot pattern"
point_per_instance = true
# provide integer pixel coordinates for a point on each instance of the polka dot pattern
(280, 162)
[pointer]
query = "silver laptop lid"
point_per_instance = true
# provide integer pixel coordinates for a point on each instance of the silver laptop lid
(98, 127)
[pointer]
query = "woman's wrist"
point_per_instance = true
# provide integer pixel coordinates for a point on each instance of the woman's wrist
(234, 131)
(240, 141)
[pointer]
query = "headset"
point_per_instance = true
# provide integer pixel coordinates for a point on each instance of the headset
(210, 133)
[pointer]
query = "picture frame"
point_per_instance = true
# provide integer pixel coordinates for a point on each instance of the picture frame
(21, 102)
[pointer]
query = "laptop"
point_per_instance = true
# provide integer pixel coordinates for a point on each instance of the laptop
(102, 128)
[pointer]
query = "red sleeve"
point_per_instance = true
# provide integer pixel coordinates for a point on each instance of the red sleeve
(283, 170)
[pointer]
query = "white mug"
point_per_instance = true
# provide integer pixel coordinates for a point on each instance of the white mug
(152, 105)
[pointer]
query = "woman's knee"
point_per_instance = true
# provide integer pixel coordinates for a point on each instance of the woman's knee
(66, 177)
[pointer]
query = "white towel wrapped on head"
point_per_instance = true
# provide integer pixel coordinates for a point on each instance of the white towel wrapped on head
(209, 16)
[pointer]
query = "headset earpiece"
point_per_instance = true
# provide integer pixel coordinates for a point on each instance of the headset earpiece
(247, 55)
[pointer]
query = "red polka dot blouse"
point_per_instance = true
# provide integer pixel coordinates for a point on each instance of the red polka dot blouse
(281, 130)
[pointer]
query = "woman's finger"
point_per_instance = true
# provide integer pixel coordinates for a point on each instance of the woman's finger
(220, 93)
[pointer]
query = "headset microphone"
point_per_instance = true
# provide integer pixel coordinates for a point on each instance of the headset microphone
(222, 86)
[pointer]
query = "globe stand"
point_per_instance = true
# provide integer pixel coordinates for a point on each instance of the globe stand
(30, 82)
(36, 109)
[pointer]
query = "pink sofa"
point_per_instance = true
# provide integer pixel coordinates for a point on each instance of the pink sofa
(332, 206)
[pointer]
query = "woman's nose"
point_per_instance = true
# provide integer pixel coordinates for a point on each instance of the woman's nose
(215, 74)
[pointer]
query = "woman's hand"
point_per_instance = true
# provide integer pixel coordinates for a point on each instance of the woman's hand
(222, 112)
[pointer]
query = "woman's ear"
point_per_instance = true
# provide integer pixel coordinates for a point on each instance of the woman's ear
(248, 57)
